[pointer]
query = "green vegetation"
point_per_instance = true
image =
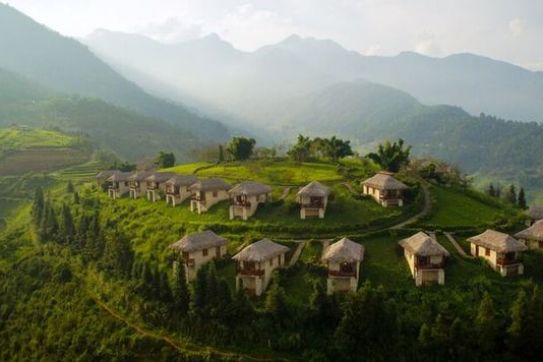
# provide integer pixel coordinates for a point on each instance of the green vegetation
(455, 208)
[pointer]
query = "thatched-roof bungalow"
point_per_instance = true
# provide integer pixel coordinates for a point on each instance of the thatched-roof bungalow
(385, 189)
(245, 198)
(118, 184)
(500, 250)
(196, 249)
(156, 185)
(206, 193)
(532, 237)
(137, 185)
(342, 259)
(102, 176)
(313, 199)
(177, 188)
(426, 259)
(535, 213)
(256, 264)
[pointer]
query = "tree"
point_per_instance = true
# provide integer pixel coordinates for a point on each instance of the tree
(67, 226)
(391, 156)
(512, 195)
(118, 256)
(301, 151)
(38, 206)
(336, 148)
(241, 148)
(276, 302)
(491, 191)
(486, 325)
(165, 159)
(522, 199)
(221, 154)
(517, 329)
(181, 291)
(70, 187)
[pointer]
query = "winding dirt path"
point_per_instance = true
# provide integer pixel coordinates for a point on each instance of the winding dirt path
(427, 208)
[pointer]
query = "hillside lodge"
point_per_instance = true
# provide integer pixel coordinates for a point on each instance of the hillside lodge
(194, 250)
(532, 237)
(342, 260)
(178, 188)
(118, 184)
(500, 250)
(245, 198)
(313, 199)
(156, 185)
(256, 264)
(137, 185)
(385, 189)
(426, 259)
(206, 193)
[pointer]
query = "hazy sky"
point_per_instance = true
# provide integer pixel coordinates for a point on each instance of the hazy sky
(510, 30)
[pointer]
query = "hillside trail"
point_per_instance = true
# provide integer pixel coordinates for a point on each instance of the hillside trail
(284, 194)
(297, 253)
(457, 246)
(427, 208)
(350, 187)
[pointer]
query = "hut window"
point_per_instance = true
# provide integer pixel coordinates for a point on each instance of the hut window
(487, 252)
(215, 193)
(204, 252)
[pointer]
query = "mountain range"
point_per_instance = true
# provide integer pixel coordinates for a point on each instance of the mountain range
(63, 64)
(249, 85)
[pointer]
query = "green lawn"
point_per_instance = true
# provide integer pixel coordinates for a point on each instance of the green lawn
(16, 139)
(271, 172)
(188, 168)
(452, 208)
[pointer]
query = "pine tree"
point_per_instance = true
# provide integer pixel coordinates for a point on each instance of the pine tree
(212, 285)
(68, 228)
(76, 198)
(522, 199)
(200, 289)
(486, 325)
(70, 187)
(165, 291)
(181, 291)
(118, 256)
(517, 329)
(276, 303)
(491, 191)
(512, 195)
(221, 154)
(534, 327)
(38, 206)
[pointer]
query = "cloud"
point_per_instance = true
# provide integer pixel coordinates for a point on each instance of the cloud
(517, 27)
(173, 30)
(375, 49)
(428, 46)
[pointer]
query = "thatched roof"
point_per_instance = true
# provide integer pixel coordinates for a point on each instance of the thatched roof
(535, 212)
(534, 232)
(212, 184)
(264, 249)
(140, 176)
(159, 177)
(250, 188)
(314, 189)
(182, 180)
(344, 251)
(104, 175)
(199, 241)
(423, 245)
(500, 242)
(384, 181)
(119, 176)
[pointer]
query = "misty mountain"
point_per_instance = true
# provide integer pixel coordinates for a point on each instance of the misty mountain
(128, 134)
(248, 83)
(65, 65)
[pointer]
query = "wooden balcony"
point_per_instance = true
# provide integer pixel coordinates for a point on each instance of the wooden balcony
(342, 273)
(251, 272)
(429, 265)
(506, 261)
(243, 204)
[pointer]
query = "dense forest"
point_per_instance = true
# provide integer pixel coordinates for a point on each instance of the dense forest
(83, 272)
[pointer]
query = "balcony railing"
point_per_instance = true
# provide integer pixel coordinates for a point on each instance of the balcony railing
(342, 273)
(240, 203)
(251, 272)
(429, 265)
(505, 261)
